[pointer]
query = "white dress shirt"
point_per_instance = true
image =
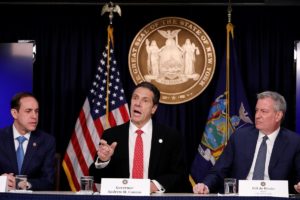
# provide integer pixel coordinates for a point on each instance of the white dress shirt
(16, 135)
(270, 144)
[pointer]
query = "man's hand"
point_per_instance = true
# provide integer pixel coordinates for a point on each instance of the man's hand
(105, 150)
(200, 188)
(11, 181)
(153, 187)
(297, 187)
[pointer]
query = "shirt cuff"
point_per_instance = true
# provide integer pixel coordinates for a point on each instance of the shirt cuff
(29, 186)
(160, 188)
(100, 164)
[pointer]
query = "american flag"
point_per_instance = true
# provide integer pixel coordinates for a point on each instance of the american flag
(104, 107)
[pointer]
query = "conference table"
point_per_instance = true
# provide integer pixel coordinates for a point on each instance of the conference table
(168, 196)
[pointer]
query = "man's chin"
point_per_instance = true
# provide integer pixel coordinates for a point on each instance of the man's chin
(136, 121)
(30, 129)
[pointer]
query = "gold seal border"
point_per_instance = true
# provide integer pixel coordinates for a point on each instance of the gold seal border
(193, 28)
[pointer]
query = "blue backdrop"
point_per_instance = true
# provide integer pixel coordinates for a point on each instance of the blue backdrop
(16, 72)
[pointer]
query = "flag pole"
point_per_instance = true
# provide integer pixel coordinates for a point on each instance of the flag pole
(110, 8)
(229, 30)
(91, 122)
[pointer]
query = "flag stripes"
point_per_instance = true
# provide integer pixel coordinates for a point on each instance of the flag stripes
(104, 107)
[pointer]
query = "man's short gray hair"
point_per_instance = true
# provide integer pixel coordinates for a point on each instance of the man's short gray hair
(280, 103)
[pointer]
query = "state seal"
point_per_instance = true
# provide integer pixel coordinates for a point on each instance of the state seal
(176, 55)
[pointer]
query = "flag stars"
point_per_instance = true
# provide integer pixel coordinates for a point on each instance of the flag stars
(102, 62)
(104, 54)
(99, 96)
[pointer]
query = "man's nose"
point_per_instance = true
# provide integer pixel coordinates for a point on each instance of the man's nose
(34, 115)
(257, 114)
(138, 102)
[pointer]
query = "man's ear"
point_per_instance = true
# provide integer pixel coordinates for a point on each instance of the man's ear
(279, 116)
(14, 112)
(154, 109)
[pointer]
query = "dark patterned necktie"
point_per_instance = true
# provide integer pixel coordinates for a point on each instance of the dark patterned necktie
(259, 169)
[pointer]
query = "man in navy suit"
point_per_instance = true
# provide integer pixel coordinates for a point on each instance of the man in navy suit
(38, 147)
(238, 158)
(163, 152)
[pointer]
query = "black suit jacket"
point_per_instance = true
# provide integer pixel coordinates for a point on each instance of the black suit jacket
(236, 160)
(166, 165)
(38, 162)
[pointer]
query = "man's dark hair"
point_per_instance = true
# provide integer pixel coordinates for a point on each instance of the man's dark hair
(152, 88)
(15, 101)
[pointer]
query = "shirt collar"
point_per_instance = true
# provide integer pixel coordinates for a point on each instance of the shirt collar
(271, 136)
(17, 134)
(146, 127)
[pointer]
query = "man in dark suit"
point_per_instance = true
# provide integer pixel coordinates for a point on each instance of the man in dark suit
(162, 148)
(38, 147)
(238, 160)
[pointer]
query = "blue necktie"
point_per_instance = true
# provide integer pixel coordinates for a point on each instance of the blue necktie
(20, 152)
(259, 169)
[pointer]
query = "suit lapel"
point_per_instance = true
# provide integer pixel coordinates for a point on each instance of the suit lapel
(156, 145)
(278, 148)
(32, 147)
(250, 146)
(9, 145)
(125, 152)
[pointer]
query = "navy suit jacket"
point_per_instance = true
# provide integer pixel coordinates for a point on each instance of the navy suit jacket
(237, 157)
(38, 162)
(166, 165)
